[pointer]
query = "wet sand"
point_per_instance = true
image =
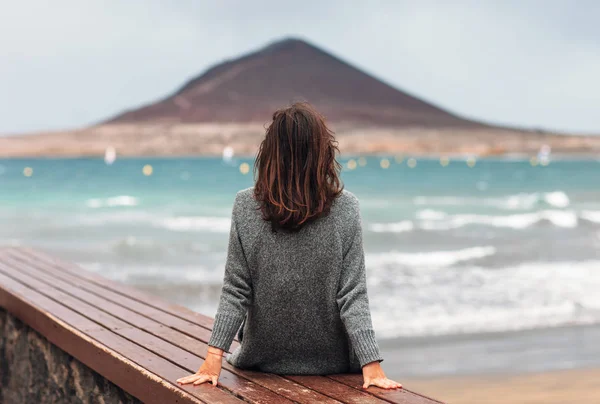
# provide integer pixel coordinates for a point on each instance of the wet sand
(503, 353)
(553, 365)
(557, 387)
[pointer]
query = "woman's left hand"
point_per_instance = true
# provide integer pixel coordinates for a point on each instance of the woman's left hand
(209, 371)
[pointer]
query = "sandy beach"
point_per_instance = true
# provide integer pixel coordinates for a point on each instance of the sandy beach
(558, 387)
(244, 139)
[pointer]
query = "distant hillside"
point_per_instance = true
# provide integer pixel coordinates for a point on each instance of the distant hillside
(250, 88)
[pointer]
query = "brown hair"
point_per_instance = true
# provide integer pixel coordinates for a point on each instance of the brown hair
(297, 175)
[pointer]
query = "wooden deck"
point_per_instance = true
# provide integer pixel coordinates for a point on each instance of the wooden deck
(144, 344)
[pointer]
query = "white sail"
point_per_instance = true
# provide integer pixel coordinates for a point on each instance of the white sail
(544, 154)
(110, 155)
(227, 153)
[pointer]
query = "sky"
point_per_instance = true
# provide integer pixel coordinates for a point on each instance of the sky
(528, 63)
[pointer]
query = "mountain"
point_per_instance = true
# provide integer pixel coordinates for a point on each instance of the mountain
(228, 105)
(251, 87)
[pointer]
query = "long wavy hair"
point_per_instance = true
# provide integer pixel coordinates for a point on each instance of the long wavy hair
(297, 174)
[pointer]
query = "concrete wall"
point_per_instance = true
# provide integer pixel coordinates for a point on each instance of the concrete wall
(32, 370)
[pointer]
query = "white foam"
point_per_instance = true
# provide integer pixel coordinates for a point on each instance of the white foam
(114, 201)
(399, 227)
(470, 299)
(520, 201)
(435, 259)
(557, 199)
(429, 214)
(591, 215)
(197, 223)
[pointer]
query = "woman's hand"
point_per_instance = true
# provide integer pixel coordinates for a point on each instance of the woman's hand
(373, 376)
(209, 371)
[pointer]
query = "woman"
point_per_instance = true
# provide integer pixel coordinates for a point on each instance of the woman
(295, 273)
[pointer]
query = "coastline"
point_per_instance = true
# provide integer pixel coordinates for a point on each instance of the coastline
(186, 140)
(523, 157)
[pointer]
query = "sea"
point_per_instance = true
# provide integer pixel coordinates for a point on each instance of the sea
(473, 266)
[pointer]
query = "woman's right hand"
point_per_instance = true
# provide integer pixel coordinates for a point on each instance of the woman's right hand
(373, 375)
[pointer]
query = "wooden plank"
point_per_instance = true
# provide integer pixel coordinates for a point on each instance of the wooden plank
(237, 385)
(274, 383)
(164, 368)
(336, 390)
(126, 291)
(26, 304)
(14, 288)
(78, 322)
(240, 386)
(111, 312)
(182, 325)
(107, 320)
(400, 396)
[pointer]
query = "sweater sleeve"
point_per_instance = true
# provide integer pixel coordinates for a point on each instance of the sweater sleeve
(353, 301)
(236, 293)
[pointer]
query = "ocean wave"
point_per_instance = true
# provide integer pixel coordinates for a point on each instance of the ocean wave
(197, 223)
(213, 224)
(558, 218)
(433, 220)
(591, 215)
(137, 249)
(163, 277)
(159, 249)
(114, 201)
(431, 258)
(522, 201)
(430, 214)
(471, 299)
(557, 199)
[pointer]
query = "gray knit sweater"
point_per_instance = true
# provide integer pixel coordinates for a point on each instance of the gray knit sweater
(302, 297)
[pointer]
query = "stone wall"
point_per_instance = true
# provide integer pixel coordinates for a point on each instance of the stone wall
(32, 370)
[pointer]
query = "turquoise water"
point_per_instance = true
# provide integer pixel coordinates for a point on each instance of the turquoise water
(501, 246)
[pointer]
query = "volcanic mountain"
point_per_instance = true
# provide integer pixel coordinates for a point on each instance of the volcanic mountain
(227, 107)
(250, 88)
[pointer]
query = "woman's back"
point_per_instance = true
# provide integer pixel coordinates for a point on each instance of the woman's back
(295, 274)
(295, 305)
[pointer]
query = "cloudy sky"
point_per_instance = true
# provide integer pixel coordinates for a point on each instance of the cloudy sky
(533, 63)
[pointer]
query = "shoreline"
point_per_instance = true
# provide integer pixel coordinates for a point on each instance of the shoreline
(210, 140)
(551, 387)
(550, 366)
(501, 354)
(521, 157)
